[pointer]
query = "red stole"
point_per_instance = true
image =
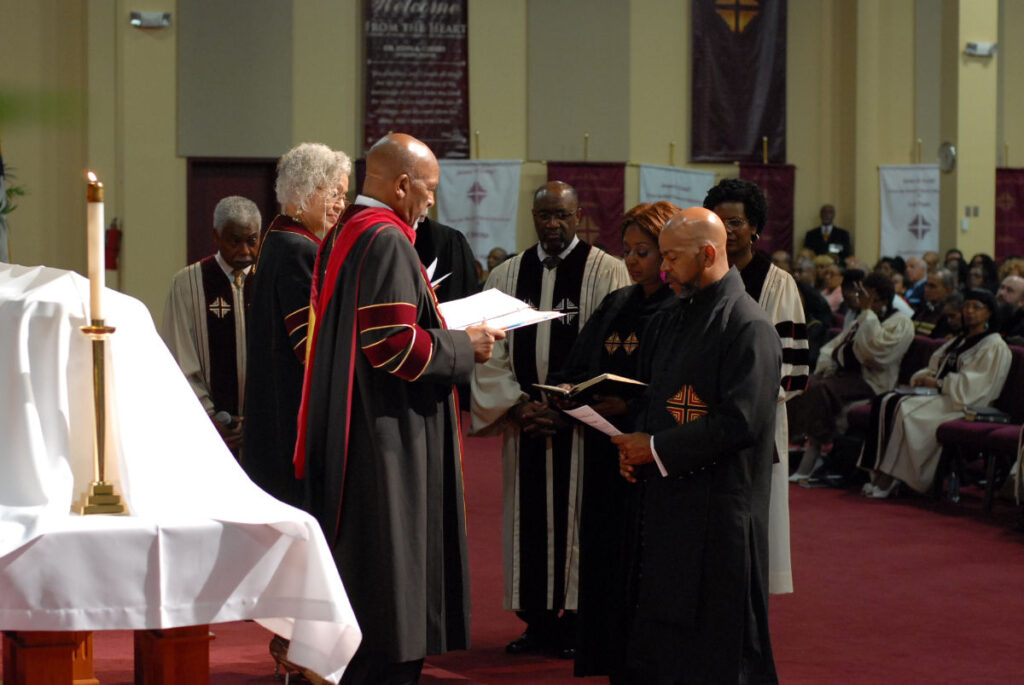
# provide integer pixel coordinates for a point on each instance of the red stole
(320, 298)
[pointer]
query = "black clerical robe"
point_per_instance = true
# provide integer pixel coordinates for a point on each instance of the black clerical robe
(609, 343)
(448, 250)
(276, 351)
(379, 439)
(701, 575)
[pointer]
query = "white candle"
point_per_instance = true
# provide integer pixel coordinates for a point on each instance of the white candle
(94, 219)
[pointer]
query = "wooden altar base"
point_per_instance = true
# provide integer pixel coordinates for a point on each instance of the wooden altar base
(162, 657)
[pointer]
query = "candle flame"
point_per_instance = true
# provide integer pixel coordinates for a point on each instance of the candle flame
(92, 177)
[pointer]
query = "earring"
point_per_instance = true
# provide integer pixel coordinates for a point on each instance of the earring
(754, 238)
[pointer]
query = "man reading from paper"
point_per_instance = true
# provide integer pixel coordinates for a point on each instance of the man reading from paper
(379, 441)
(699, 582)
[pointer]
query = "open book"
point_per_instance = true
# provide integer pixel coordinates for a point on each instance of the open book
(494, 308)
(604, 384)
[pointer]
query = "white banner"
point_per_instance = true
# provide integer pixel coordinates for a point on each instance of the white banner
(481, 198)
(909, 196)
(682, 187)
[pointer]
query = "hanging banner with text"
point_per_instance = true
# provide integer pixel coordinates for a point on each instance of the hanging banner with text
(682, 187)
(778, 182)
(601, 187)
(481, 199)
(738, 83)
(909, 197)
(1009, 213)
(417, 79)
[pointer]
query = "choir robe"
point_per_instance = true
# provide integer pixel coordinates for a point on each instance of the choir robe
(610, 342)
(542, 477)
(276, 350)
(906, 446)
(204, 328)
(380, 446)
(700, 585)
(776, 292)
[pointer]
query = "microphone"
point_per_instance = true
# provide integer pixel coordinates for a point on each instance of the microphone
(224, 419)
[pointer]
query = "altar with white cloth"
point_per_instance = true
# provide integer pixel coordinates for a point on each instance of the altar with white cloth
(200, 544)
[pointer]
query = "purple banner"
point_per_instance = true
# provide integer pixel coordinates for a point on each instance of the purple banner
(601, 187)
(1009, 213)
(738, 87)
(417, 75)
(777, 181)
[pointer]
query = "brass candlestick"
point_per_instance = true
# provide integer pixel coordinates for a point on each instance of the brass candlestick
(101, 498)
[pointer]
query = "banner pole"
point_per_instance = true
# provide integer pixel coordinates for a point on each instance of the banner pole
(586, 145)
(764, 149)
(918, 150)
(1006, 154)
(672, 153)
(476, 137)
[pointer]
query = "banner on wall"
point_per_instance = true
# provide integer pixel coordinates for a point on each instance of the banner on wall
(417, 77)
(682, 187)
(1009, 213)
(738, 86)
(481, 199)
(601, 187)
(777, 181)
(909, 199)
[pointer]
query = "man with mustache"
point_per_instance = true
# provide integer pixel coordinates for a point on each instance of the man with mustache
(698, 584)
(543, 454)
(379, 440)
(204, 318)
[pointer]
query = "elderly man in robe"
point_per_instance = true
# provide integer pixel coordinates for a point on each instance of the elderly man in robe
(379, 440)
(204, 318)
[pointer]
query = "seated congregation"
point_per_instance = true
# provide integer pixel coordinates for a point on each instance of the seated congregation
(927, 401)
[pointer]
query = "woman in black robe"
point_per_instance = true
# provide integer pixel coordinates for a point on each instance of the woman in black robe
(609, 343)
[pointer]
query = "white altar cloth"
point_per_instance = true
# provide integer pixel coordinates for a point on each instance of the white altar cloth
(202, 543)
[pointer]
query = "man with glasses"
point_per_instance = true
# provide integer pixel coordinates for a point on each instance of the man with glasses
(543, 454)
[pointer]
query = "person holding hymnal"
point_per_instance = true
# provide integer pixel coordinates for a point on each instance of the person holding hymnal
(610, 344)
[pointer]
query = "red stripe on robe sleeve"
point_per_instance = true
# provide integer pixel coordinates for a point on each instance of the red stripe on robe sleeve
(391, 340)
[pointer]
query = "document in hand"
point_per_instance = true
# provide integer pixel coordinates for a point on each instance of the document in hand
(604, 384)
(494, 308)
(587, 415)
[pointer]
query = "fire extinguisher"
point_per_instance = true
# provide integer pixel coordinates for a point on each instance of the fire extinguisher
(113, 244)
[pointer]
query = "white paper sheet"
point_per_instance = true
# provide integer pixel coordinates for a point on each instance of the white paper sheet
(587, 415)
(495, 308)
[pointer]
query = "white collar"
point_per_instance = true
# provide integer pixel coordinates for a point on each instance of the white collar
(542, 255)
(228, 270)
(370, 202)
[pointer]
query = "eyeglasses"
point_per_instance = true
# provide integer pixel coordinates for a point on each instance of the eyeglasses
(735, 223)
(545, 216)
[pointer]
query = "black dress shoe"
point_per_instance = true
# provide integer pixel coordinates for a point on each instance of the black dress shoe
(525, 644)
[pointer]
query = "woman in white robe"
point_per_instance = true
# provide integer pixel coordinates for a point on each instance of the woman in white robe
(968, 370)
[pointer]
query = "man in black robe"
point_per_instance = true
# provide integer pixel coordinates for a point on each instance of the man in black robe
(703, 462)
(379, 440)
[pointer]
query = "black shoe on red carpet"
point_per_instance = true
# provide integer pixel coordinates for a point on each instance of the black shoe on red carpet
(527, 643)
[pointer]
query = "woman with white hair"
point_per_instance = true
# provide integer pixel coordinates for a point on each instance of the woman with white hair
(311, 184)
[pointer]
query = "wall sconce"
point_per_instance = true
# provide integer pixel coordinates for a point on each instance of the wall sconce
(150, 20)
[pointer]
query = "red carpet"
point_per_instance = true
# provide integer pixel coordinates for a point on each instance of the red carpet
(902, 591)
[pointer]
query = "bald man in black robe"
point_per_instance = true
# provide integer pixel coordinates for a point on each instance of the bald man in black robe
(379, 439)
(703, 461)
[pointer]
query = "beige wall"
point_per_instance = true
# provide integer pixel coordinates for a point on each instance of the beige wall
(853, 103)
